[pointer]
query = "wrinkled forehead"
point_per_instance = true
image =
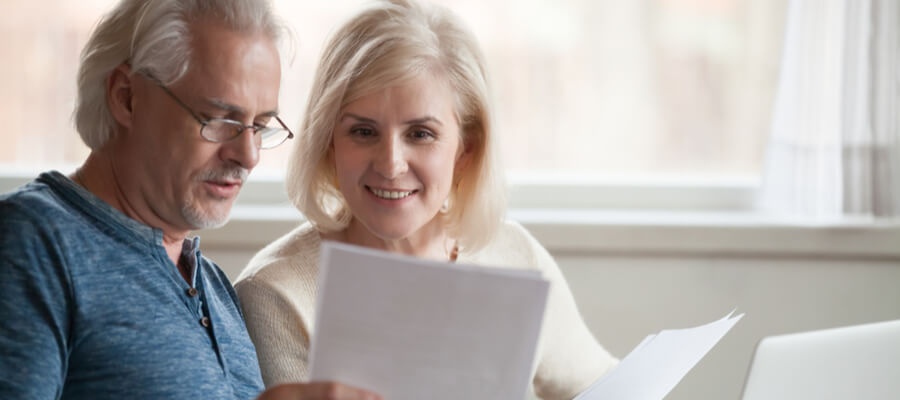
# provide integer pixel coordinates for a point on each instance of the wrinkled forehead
(233, 66)
(216, 46)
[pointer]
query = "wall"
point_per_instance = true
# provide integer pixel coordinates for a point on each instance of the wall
(632, 277)
(625, 298)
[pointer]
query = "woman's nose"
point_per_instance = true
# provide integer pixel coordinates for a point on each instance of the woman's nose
(390, 162)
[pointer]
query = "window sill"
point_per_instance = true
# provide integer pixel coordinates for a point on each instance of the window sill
(718, 226)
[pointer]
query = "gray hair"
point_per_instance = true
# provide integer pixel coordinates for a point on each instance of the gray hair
(384, 45)
(153, 36)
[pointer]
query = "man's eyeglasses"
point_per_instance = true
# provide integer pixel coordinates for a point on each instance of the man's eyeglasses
(218, 130)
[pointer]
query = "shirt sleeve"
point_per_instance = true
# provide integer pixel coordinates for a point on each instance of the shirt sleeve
(278, 331)
(34, 307)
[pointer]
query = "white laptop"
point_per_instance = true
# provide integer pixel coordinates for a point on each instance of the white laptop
(855, 362)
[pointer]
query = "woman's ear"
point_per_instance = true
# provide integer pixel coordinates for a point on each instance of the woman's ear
(464, 156)
(119, 95)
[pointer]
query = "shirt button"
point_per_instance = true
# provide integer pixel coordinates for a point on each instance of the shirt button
(193, 292)
(205, 322)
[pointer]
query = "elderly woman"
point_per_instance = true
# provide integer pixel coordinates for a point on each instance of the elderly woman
(397, 153)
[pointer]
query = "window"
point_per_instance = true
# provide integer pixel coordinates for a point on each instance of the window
(660, 90)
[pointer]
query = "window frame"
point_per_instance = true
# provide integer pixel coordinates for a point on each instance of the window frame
(526, 191)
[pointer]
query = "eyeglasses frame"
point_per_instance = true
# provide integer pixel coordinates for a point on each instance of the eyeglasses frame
(205, 123)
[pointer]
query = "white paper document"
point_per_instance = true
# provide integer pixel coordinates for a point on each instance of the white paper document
(658, 363)
(408, 328)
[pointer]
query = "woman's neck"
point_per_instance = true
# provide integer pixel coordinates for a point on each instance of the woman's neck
(430, 242)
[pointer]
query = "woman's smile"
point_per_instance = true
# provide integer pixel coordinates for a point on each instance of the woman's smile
(390, 194)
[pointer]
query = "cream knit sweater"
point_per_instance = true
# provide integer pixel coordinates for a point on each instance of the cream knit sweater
(278, 289)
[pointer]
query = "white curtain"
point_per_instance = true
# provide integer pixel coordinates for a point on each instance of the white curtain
(835, 142)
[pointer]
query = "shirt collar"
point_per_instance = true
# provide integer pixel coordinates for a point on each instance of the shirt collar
(190, 253)
(98, 208)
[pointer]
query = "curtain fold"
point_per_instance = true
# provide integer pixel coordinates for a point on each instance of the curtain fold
(834, 150)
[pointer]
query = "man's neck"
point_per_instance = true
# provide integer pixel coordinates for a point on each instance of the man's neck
(99, 176)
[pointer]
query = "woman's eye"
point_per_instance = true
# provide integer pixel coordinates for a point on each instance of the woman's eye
(421, 135)
(362, 132)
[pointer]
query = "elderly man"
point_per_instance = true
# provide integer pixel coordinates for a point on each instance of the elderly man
(103, 293)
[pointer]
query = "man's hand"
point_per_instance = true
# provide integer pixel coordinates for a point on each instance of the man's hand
(316, 391)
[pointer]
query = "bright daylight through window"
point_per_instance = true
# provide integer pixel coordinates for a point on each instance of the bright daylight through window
(663, 88)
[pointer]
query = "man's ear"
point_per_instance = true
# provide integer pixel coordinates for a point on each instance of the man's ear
(119, 95)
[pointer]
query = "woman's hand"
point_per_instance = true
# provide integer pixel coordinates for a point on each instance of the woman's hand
(316, 391)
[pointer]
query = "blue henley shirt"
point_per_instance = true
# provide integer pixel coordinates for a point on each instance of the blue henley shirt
(91, 306)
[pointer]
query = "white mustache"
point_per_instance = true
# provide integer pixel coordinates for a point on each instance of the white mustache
(227, 173)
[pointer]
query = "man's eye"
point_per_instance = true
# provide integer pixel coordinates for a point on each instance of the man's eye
(261, 124)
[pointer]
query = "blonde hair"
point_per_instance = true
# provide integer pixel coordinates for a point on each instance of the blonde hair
(382, 46)
(152, 36)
